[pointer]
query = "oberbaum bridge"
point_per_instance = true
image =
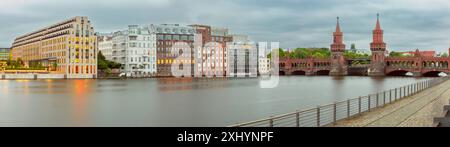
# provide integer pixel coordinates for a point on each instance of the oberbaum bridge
(380, 64)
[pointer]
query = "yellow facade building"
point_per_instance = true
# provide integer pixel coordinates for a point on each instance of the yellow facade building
(68, 47)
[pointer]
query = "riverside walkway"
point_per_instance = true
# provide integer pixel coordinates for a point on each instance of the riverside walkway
(417, 110)
(414, 105)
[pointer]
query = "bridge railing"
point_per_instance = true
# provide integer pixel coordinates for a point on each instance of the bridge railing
(330, 114)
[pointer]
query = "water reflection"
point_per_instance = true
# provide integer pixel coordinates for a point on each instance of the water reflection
(173, 102)
(187, 84)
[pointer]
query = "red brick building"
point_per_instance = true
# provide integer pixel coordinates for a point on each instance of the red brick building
(421, 53)
(169, 51)
(212, 56)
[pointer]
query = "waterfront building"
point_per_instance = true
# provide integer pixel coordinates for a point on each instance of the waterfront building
(264, 65)
(5, 54)
(105, 45)
(134, 48)
(420, 53)
(175, 46)
(68, 47)
(242, 58)
(378, 48)
(212, 52)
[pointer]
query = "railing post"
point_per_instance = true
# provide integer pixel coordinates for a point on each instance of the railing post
(271, 122)
(297, 119)
(408, 92)
(368, 103)
(384, 98)
(334, 112)
(348, 108)
(395, 98)
(404, 91)
(390, 96)
(415, 88)
(359, 105)
(318, 116)
(378, 100)
(410, 89)
(421, 86)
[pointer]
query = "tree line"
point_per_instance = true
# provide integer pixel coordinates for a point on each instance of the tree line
(322, 53)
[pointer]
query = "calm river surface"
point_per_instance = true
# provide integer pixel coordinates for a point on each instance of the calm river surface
(172, 102)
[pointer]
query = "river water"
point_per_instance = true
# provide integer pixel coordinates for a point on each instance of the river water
(173, 102)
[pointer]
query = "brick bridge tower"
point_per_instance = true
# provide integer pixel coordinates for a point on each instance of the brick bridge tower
(338, 66)
(378, 48)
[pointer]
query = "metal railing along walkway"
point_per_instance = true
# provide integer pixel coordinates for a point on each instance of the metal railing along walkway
(330, 114)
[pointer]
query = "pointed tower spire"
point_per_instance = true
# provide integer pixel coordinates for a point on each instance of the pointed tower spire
(338, 27)
(338, 65)
(378, 27)
(378, 48)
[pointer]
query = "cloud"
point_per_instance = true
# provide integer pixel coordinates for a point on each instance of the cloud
(408, 24)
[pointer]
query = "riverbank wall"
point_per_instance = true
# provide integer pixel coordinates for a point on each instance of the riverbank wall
(39, 76)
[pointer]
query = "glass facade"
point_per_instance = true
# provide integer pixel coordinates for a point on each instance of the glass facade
(4, 54)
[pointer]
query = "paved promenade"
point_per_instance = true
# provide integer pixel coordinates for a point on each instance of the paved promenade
(415, 111)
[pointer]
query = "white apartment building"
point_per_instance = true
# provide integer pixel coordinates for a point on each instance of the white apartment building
(264, 66)
(134, 48)
(242, 59)
(105, 45)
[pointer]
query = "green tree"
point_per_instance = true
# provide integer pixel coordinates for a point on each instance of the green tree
(353, 47)
(355, 55)
(281, 54)
(102, 65)
(105, 65)
(101, 62)
(101, 56)
(396, 54)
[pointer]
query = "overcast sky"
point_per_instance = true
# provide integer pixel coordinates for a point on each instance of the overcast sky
(408, 24)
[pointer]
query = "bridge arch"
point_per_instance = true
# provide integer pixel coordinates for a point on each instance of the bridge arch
(323, 72)
(299, 73)
(433, 74)
(402, 73)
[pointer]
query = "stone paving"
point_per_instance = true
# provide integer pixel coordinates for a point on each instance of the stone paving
(414, 111)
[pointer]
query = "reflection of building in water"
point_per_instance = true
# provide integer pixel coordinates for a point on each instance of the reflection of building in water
(242, 58)
(180, 84)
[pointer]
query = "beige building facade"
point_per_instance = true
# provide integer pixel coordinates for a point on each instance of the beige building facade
(68, 47)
